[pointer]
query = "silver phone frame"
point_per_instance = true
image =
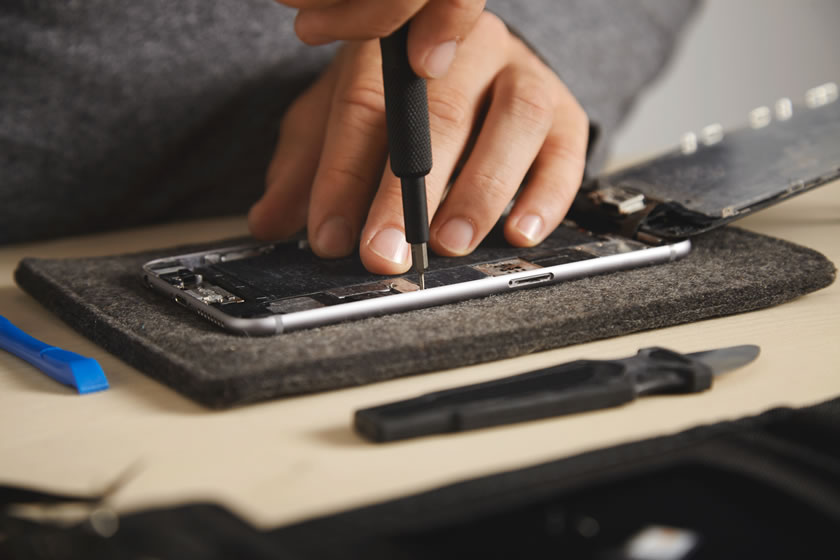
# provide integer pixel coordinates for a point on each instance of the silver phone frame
(394, 303)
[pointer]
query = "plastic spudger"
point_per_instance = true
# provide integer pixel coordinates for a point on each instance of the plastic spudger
(77, 371)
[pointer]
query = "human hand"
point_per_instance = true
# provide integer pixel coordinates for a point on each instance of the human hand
(437, 26)
(499, 106)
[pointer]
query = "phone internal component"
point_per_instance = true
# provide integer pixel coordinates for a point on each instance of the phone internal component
(564, 256)
(614, 246)
(214, 294)
(182, 278)
(293, 305)
(236, 254)
(508, 266)
(381, 287)
(619, 200)
(403, 285)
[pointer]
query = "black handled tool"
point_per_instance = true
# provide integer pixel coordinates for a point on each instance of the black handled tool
(409, 141)
(565, 389)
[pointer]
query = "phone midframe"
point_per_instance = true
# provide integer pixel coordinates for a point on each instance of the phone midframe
(383, 295)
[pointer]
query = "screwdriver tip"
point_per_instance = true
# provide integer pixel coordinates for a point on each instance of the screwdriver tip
(420, 261)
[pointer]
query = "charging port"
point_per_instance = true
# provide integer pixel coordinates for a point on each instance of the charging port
(538, 279)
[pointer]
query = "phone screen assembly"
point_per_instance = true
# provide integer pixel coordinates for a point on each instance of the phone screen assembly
(264, 289)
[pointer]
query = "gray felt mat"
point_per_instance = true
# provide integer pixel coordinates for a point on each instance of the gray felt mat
(729, 271)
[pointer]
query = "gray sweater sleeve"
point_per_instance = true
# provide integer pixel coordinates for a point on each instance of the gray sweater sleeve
(116, 113)
(606, 51)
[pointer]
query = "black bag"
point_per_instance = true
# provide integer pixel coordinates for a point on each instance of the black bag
(761, 487)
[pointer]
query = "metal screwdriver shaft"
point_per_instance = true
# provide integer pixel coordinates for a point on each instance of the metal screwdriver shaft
(409, 142)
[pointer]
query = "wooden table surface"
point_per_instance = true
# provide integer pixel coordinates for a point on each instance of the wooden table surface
(288, 460)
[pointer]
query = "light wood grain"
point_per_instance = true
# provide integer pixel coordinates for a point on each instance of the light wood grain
(288, 460)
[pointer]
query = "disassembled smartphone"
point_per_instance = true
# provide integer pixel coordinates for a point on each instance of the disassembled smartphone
(274, 288)
(640, 216)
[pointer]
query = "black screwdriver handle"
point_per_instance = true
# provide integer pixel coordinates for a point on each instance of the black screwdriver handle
(406, 109)
(565, 389)
(587, 385)
(580, 386)
(409, 139)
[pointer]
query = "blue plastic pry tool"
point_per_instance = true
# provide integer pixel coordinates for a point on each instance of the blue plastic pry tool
(82, 373)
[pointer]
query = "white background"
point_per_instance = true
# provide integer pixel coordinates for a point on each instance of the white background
(735, 56)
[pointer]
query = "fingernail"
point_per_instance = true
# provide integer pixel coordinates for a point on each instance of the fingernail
(254, 212)
(334, 237)
(439, 59)
(390, 244)
(456, 235)
(531, 226)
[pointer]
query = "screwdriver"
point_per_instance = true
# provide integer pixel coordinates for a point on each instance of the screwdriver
(409, 142)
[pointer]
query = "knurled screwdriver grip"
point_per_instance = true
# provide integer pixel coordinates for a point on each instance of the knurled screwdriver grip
(409, 141)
